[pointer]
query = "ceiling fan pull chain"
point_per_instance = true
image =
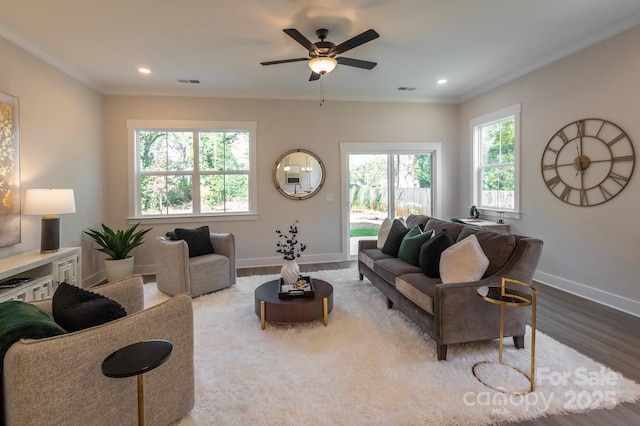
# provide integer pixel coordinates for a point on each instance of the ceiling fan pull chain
(322, 91)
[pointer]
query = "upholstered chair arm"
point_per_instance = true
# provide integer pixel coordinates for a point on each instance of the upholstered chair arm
(225, 244)
(128, 292)
(461, 315)
(172, 263)
(367, 244)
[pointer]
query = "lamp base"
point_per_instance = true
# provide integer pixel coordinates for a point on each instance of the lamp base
(50, 234)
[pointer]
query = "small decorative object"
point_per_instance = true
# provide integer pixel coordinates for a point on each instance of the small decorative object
(474, 213)
(290, 248)
(500, 217)
(303, 287)
(290, 272)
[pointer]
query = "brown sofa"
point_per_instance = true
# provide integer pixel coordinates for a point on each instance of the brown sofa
(453, 313)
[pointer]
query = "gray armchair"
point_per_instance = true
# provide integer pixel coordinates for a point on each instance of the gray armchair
(177, 273)
(58, 380)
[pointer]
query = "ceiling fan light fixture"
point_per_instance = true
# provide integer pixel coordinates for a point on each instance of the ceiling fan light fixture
(322, 65)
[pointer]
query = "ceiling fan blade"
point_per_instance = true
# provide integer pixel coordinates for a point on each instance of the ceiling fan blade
(356, 41)
(356, 63)
(297, 36)
(284, 61)
(314, 76)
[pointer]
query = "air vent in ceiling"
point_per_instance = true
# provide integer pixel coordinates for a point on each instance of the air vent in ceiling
(410, 89)
(182, 80)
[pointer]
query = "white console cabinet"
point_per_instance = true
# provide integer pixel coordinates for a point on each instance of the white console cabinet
(47, 271)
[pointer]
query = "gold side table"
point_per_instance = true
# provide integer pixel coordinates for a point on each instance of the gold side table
(515, 297)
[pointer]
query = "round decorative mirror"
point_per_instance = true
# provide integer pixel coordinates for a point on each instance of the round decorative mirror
(298, 174)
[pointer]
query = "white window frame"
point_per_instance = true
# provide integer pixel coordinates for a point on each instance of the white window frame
(475, 124)
(190, 125)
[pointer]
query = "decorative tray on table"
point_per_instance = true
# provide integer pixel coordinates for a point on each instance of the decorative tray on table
(302, 288)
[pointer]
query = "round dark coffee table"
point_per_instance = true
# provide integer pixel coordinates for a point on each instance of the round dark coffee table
(269, 307)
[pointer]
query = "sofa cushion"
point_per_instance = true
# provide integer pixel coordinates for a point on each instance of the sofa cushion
(430, 252)
(418, 288)
(370, 256)
(389, 269)
(417, 220)
(498, 247)
(463, 262)
(197, 239)
(76, 309)
(383, 233)
(20, 320)
(411, 243)
(437, 225)
(394, 239)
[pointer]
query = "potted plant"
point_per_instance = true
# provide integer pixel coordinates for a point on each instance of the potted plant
(117, 245)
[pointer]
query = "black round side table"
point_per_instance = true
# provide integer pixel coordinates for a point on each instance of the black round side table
(135, 360)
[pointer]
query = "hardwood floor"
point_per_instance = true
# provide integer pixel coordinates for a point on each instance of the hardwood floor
(602, 333)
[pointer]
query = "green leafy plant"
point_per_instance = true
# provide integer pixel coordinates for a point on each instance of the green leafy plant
(118, 244)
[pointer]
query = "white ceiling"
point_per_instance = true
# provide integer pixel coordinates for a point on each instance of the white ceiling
(475, 44)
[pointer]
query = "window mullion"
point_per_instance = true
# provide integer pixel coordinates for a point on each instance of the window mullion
(195, 177)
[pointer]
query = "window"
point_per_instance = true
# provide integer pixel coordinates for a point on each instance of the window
(192, 168)
(496, 150)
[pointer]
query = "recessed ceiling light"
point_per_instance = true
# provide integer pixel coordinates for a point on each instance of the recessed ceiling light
(442, 81)
(144, 70)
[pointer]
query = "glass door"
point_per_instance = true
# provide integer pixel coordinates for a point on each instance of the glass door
(381, 183)
(368, 196)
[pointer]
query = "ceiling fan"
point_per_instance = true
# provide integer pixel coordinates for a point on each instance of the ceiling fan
(322, 54)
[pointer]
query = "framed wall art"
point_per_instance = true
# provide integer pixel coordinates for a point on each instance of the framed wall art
(9, 170)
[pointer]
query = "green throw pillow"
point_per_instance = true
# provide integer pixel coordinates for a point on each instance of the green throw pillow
(411, 243)
(20, 320)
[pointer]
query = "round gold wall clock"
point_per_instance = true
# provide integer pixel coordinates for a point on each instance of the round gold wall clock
(588, 162)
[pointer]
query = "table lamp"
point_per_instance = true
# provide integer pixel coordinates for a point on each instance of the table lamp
(49, 203)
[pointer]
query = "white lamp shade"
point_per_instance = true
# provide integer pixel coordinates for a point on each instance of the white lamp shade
(49, 201)
(322, 64)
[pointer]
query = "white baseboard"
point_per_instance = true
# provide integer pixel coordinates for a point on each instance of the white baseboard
(95, 279)
(614, 301)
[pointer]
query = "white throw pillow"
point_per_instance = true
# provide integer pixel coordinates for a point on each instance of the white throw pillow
(384, 232)
(463, 262)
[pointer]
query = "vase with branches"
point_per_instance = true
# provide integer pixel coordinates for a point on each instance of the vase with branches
(290, 249)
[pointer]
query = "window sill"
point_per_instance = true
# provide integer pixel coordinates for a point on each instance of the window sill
(177, 219)
(492, 214)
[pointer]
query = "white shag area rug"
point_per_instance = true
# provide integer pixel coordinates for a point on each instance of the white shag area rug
(371, 366)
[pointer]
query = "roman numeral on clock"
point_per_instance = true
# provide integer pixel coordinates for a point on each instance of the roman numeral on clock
(619, 179)
(551, 183)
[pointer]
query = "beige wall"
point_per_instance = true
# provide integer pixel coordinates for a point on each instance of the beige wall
(71, 136)
(592, 251)
(61, 144)
(282, 125)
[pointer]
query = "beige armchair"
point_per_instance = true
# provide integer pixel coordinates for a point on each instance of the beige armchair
(58, 380)
(177, 273)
